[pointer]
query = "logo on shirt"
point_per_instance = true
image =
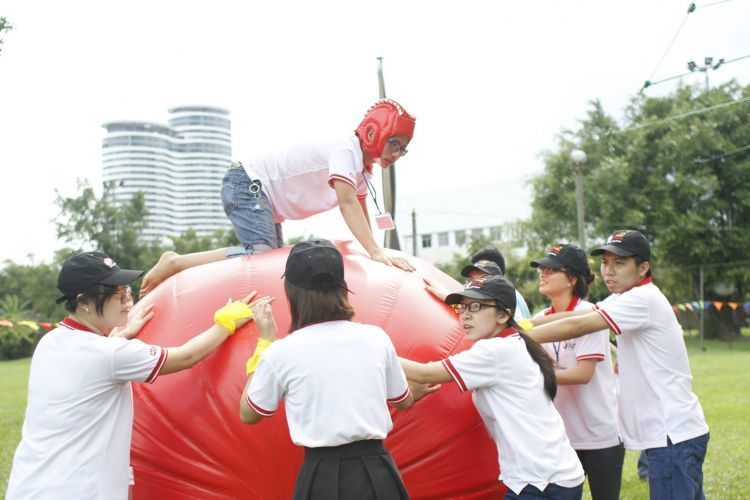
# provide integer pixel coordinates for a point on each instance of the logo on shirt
(153, 351)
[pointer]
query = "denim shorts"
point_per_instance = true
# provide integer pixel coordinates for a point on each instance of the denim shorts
(250, 212)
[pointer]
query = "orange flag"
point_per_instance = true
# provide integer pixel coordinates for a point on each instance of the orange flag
(718, 305)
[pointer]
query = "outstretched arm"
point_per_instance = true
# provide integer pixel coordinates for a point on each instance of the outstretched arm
(425, 373)
(171, 263)
(569, 328)
(355, 218)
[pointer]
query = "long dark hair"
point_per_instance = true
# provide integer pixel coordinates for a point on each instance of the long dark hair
(583, 280)
(540, 357)
(315, 306)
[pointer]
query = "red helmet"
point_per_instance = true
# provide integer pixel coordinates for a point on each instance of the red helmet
(384, 119)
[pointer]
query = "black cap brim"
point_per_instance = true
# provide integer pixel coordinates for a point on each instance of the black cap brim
(455, 298)
(612, 249)
(121, 277)
(468, 269)
(547, 262)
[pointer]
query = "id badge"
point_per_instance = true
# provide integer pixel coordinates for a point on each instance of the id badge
(385, 221)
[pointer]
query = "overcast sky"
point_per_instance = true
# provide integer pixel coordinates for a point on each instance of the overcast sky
(490, 82)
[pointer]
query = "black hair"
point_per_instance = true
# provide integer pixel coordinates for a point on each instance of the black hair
(317, 305)
(583, 280)
(98, 294)
(492, 254)
(641, 260)
(541, 358)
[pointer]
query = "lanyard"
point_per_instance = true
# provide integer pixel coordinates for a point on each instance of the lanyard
(372, 193)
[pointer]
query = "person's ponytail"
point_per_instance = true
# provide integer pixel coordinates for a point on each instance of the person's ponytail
(540, 357)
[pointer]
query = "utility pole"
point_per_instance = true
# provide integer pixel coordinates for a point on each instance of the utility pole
(578, 158)
(389, 180)
(414, 232)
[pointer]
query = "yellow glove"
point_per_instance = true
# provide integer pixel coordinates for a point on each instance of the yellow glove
(252, 363)
(228, 315)
(525, 324)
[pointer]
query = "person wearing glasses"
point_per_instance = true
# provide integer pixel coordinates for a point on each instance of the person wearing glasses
(303, 181)
(75, 441)
(586, 397)
(512, 383)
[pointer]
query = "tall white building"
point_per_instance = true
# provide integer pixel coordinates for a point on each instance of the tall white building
(178, 166)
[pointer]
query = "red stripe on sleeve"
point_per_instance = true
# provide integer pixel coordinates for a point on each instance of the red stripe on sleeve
(608, 319)
(596, 357)
(155, 372)
(454, 374)
(336, 177)
(260, 411)
(400, 398)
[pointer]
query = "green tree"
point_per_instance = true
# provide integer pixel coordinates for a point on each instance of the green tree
(18, 341)
(5, 26)
(677, 171)
(35, 285)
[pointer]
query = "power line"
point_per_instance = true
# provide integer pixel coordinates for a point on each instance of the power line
(691, 9)
(722, 155)
(682, 115)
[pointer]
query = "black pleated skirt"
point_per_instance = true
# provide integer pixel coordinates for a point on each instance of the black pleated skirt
(362, 470)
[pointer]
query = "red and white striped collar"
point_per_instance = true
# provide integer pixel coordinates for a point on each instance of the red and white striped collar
(72, 324)
(574, 301)
(508, 332)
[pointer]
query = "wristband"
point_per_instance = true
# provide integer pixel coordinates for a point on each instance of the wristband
(252, 363)
(525, 324)
(228, 315)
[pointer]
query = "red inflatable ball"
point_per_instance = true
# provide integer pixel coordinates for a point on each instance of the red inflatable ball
(188, 440)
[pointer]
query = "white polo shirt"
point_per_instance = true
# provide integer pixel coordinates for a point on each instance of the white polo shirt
(299, 180)
(656, 399)
(588, 410)
(75, 441)
(508, 392)
(336, 379)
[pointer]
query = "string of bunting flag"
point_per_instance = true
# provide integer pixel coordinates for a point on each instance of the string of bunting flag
(707, 304)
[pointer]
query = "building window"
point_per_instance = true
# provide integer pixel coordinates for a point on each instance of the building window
(443, 239)
(477, 232)
(426, 240)
(496, 233)
(460, 237)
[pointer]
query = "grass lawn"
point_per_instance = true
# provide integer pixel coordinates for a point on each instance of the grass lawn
(721, 376)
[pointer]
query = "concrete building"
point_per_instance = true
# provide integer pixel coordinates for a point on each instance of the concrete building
(178, 166)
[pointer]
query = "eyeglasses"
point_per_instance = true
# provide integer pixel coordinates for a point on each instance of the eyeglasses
(471, 307)
(124, 292)
(396, 146)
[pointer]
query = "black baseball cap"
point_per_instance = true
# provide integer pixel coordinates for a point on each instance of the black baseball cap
(625, 243)
(315, 265)
(487, 287)
(564, 255)
(485, 266)
(81, 272)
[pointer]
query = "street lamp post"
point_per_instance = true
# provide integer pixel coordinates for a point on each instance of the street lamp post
(578, 158)
(709, 64)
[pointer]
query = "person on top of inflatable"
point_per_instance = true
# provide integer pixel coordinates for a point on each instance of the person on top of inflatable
(658, 411)
(76, 433)
(303, 181)
(337, 379)
(586, 396)
(513, 385)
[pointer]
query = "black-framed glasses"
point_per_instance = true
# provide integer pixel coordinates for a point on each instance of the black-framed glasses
(396, 146)
(471, 307)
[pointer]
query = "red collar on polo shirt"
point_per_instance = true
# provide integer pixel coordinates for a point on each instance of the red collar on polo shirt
(508, 332)
(75, 325)
(646, 281)
(574, 300)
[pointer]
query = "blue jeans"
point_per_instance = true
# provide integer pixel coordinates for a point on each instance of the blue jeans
(250, 212)
(552, 491)
(676, 470)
